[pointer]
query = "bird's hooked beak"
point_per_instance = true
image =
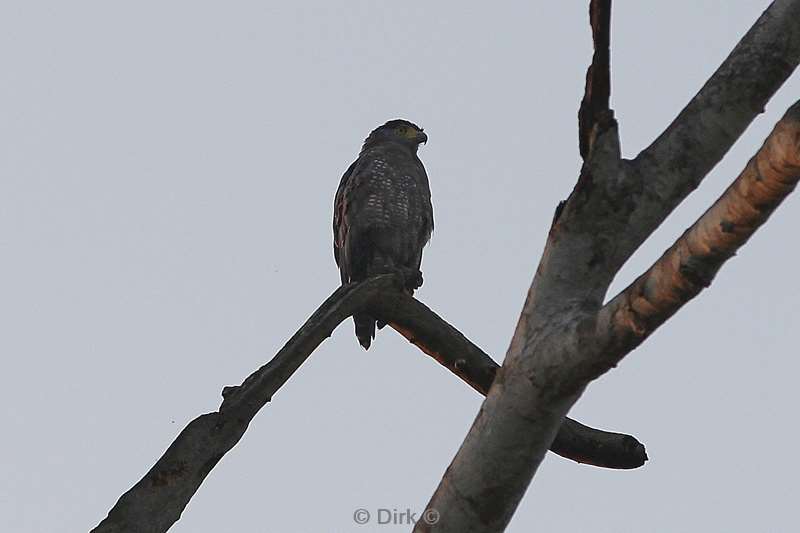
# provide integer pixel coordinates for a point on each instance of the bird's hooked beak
(421, 137)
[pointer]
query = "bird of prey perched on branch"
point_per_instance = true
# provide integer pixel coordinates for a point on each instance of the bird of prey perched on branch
(382, 214)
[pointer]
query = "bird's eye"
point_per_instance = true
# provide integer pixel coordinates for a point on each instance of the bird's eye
(401, 130)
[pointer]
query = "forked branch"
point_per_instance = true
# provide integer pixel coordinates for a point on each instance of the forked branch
(565, 337)
(158, 499)
(676, 162)
(691, 263)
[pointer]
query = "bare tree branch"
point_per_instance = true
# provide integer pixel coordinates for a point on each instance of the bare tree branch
(691, 263)
(434, 336)
(663, 174)
(595, 103)
(555, 350)
(158, 499)
(595, 118)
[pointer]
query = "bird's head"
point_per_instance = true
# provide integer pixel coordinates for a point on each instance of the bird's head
(397, 131)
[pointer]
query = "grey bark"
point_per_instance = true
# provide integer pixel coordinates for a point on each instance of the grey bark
(564, 337)
(689, 265)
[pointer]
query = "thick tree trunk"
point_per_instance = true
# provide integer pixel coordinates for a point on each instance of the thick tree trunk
(565, 337)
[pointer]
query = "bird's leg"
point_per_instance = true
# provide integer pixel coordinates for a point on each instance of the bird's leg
(413, 278)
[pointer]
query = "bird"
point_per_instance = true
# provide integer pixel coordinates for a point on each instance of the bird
(382, 213)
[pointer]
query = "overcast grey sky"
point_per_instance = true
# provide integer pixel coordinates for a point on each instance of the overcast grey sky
(167, 171)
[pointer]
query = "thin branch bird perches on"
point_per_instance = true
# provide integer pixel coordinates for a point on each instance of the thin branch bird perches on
(158, 499)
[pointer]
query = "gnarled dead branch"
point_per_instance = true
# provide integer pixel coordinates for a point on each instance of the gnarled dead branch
(158, 499)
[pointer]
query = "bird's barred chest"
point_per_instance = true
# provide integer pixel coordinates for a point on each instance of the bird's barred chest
(392, 196)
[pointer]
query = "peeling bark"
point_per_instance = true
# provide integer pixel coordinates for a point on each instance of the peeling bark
(689, 266)
(668, 170)
(565, 337)
(598, 76)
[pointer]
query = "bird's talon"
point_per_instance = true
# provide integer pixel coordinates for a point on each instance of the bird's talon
(413, 279)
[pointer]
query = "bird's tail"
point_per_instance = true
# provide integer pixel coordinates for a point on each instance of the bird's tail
(365, 329)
